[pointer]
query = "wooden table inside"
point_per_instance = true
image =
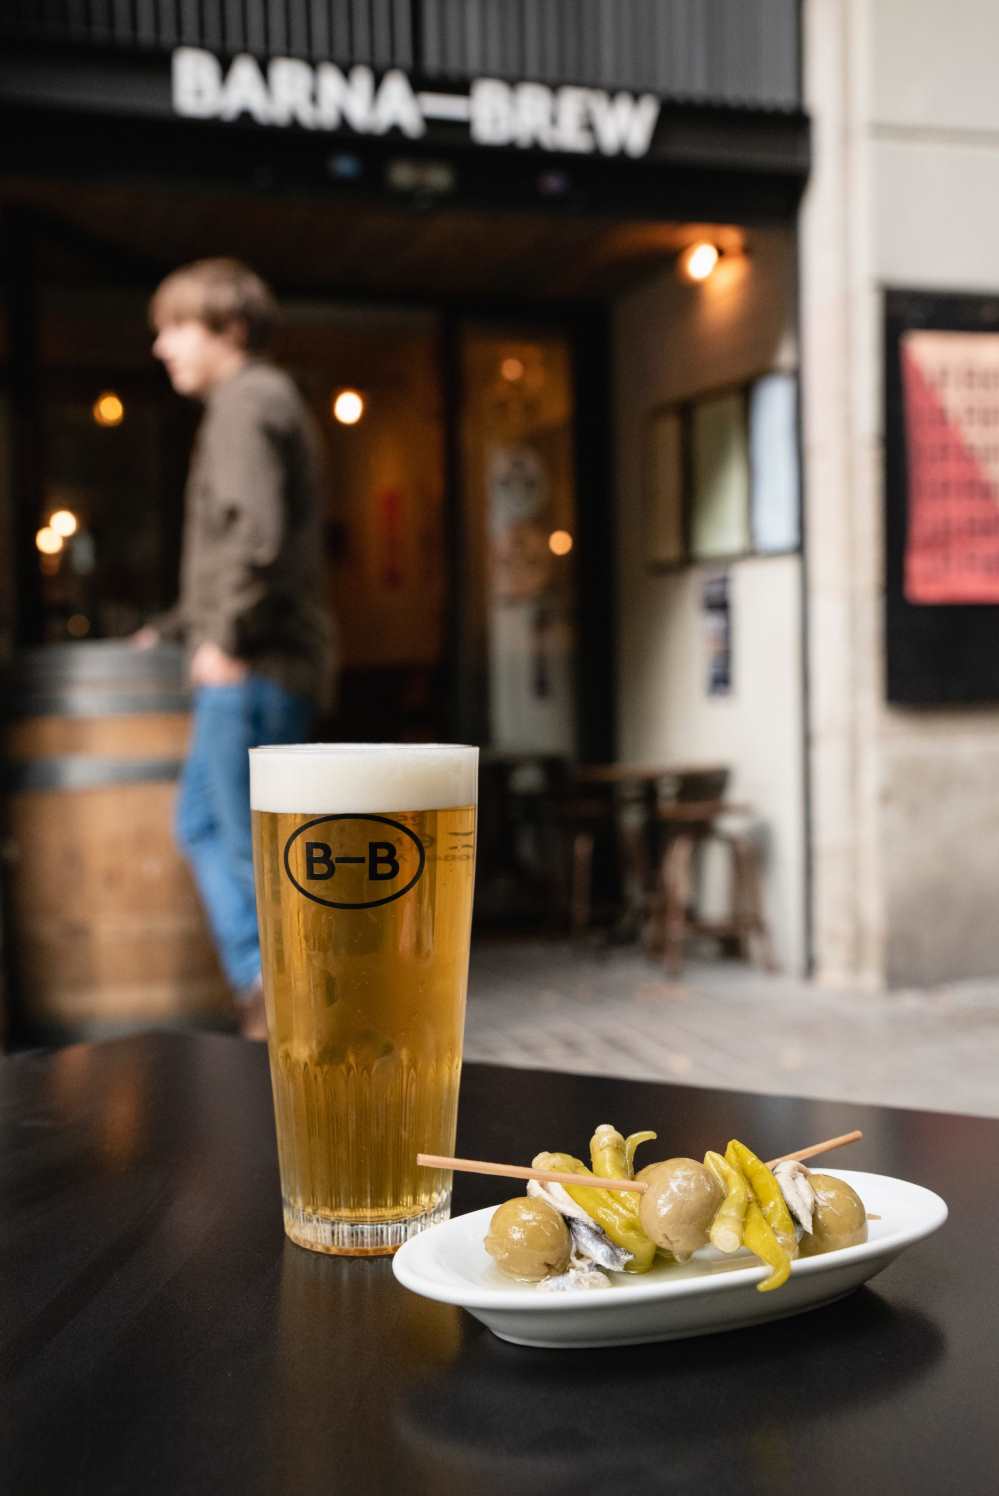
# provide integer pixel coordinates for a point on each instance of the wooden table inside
(161, 1335)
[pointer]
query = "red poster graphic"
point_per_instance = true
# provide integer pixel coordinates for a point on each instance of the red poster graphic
(950, 382)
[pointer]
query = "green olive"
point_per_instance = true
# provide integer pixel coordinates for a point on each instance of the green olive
(839, 1218)
(528, 1239)
(679, 1205)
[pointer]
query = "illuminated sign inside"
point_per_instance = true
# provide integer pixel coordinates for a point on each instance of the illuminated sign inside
(531, 116)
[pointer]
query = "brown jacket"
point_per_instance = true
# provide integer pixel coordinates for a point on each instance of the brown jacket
(252, 578)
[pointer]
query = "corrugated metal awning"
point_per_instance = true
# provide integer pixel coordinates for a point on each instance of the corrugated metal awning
(738, 54)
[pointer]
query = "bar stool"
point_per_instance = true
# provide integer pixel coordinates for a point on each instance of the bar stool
(601, 825)
(688, 826)
(518, 875)
(584, 819)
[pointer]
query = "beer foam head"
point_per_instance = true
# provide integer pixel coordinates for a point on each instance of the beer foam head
(362, 778)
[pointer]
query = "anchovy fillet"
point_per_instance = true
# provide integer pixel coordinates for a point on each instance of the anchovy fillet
(580, 1274)
(590, 1241)
(796, 1187)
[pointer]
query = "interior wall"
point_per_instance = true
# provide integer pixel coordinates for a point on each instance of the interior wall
(385, 477)
(6, 535)
(672, 341)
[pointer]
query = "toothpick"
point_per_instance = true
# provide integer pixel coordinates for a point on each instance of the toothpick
(517, 1171)
(816, 1148)
(593, 1181)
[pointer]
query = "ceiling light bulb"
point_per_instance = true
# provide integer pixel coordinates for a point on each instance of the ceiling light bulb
(47, 541)
(699, 261)
(348, 407)
(64, 523)
(108, 409)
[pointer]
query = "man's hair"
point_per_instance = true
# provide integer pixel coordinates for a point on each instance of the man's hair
(220, 293)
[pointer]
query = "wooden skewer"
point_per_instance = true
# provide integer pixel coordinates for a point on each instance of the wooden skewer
(637, 1186)
(517, 1171)
(816, 1148)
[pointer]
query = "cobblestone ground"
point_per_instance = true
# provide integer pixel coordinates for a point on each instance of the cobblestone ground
(552, 1005)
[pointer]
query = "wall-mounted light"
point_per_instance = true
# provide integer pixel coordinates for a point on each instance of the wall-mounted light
(512, 369)
(108, 409)
(347, 407)
(560, 542)
(64, 522)
(698, 261)
(48, 541)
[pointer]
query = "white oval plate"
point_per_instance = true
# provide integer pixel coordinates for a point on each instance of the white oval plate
(708, 1294)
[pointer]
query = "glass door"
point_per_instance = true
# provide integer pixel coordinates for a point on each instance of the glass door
(519, 530)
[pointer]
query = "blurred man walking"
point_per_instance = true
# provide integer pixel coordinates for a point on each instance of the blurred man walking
(252, 611)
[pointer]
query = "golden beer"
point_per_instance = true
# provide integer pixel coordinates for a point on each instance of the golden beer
(365, 916)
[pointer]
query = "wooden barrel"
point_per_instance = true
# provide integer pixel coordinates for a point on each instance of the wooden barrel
(105, 929)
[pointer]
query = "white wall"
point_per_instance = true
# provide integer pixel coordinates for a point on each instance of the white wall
(934, 133)
(672, 341)
(904, 192)
(933, 125)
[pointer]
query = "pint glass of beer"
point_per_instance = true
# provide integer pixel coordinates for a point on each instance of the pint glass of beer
(364, 856)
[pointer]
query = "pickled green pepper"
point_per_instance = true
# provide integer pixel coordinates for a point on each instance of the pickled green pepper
(616, 1212)
(767, 1192)
(728, 1226)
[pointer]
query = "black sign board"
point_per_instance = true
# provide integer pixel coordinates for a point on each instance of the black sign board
(631, 107)
(942, 498)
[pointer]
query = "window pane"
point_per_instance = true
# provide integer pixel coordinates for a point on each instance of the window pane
(773, 458)
(720, 519)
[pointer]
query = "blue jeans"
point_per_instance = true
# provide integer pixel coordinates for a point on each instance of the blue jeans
(213, 806)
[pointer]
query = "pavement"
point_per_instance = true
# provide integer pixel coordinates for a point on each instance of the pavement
(610, 1010)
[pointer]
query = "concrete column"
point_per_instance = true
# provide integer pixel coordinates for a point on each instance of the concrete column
(839, 343)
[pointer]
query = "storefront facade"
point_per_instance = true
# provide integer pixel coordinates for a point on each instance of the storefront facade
(897, 242)
(474, 214)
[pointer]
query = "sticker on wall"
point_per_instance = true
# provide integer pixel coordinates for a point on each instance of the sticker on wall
(718, 633)
(519, 495)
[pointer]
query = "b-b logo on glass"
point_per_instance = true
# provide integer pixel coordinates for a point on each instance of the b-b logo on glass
(354, 862)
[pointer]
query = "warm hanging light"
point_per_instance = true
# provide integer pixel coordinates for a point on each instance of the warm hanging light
(512, 369)
(48, 541)
(348, 407)
(560, 542)
(108, 409)
(64, 522)
(698, 261)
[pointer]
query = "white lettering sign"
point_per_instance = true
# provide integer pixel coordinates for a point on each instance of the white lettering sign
(562, 119)
(528, 116)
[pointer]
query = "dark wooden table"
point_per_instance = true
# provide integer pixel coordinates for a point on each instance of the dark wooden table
(160, 1335)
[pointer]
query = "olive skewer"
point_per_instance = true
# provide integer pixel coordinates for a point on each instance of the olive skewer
(638, 1186)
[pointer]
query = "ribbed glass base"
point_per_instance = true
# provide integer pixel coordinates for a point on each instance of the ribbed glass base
(342, 1238)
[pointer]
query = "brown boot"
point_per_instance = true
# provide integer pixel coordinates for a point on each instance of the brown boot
(251, 1013)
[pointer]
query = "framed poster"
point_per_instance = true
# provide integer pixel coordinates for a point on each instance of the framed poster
(719, 521)
(941, 498)
(664, 488)
(950, 391)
